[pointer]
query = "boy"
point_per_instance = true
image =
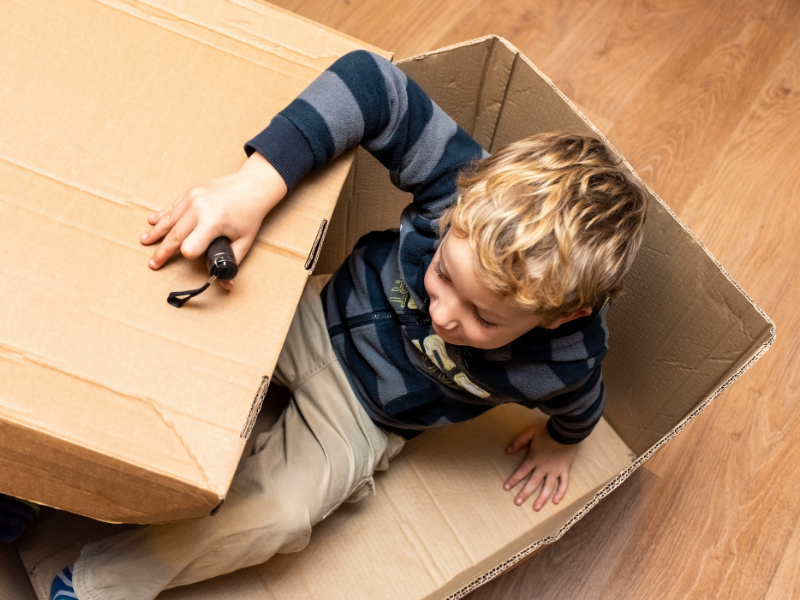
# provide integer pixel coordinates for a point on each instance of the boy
(495, 289)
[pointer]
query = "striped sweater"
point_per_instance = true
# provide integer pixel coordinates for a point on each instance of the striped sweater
(406, 377)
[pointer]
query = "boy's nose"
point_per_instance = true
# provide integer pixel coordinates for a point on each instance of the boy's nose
(443, 314)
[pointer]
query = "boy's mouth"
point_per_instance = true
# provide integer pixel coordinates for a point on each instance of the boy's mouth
(445, 336)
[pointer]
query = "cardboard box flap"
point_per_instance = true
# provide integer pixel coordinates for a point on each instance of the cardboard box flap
(111, 110)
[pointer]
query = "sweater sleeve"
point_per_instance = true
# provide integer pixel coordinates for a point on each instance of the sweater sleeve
(574, 413)
(364, 99)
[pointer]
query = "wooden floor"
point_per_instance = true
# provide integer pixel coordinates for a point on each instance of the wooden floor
(703, 98)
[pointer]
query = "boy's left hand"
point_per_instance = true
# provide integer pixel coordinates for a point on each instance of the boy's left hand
(547, 461)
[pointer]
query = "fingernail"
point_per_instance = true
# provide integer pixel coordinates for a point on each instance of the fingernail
(153, 216)
(506, 487)
(518, 501)
(152, 264)
(144, 236)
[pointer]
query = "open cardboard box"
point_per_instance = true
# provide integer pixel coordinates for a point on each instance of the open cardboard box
(440, 523)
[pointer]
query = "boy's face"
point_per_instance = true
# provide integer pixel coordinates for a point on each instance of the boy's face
(466, 313)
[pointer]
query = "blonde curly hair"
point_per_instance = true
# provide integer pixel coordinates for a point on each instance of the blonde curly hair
(554, 221)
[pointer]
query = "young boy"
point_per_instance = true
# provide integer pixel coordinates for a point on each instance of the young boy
(495, 289)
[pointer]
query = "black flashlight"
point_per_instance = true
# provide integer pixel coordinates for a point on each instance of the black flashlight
(221, 265)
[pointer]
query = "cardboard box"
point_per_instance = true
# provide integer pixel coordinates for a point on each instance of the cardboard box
(440, 524)
(115, 404)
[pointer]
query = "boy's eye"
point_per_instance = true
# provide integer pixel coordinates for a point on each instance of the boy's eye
(438, 269)
(483, 322)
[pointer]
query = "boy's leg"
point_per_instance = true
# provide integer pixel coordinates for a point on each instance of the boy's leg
(322, 450)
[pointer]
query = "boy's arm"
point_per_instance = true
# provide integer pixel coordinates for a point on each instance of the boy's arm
(364, 99)
(575, 412)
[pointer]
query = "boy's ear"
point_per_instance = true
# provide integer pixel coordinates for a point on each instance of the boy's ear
(577, 314)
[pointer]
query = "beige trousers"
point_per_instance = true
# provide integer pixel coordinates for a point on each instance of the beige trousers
(322, 451)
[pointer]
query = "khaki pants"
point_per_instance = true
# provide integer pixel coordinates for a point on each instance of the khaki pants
(322, 451)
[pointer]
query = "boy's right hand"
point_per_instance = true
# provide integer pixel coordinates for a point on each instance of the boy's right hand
(233, 206)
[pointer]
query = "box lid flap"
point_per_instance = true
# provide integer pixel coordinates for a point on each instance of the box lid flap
(111, 110)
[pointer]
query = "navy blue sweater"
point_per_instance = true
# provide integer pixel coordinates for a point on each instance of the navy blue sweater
(406, 377)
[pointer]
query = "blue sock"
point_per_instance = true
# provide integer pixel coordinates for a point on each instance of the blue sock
(62, 586)
(14, 517)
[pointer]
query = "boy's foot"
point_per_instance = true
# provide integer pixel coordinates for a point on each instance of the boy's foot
(14, 517)
(62, 586)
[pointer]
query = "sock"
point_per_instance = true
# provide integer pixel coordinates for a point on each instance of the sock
(14, 517)
(62, 588)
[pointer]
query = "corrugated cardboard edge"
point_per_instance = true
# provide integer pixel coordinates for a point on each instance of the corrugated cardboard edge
(462, 45)
(617, 481)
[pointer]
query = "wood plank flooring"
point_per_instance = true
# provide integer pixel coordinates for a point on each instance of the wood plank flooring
(703, 98)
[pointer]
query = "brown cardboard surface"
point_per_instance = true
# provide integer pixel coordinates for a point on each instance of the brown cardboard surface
(115, 404)
(441, 523)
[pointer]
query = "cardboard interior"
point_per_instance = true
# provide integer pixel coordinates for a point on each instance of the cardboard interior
(440, 523)
(115, 404)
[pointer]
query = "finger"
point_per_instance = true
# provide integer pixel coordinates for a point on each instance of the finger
(166, 220)
(241, 247)
(523, 439)
(199, 239)
(173, 240)
(563, 486)
(521, 473)
(226, 285)
(155, 217)
(544, 495)
(529, 488)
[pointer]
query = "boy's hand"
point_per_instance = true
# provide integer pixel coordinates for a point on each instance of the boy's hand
(547, 461)
(233, 206)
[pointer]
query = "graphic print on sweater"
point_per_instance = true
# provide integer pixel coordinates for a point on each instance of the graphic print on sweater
(404, 299)
(434, 345)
